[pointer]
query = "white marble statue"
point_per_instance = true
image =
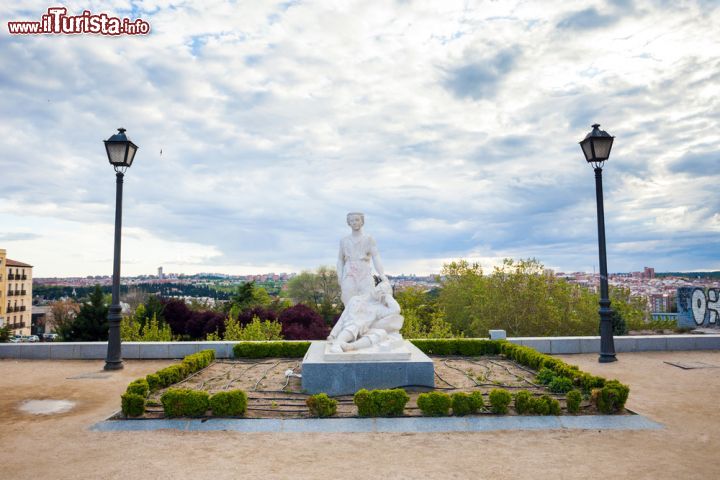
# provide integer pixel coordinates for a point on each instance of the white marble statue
(371, 315)
(354, 270)
(368, 319)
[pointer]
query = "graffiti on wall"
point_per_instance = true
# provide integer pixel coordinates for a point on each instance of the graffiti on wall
(698, 307)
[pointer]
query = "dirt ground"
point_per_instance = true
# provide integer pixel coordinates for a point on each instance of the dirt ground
(271, 394)
(61, 447)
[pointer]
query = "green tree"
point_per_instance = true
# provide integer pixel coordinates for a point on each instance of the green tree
(249, 295)
(318, 290)
(255, 330)
(4, 334)
(91, 323)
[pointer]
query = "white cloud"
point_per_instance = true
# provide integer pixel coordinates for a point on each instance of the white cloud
(453, 125)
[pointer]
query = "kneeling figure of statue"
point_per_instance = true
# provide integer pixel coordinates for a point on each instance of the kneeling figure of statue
(369, 319)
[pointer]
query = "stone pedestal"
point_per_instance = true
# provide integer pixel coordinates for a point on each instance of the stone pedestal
(346, 375)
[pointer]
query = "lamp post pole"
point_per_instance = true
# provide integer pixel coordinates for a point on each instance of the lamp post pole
(607, 344)
(596, 147)
(114, 360)
(121, 152)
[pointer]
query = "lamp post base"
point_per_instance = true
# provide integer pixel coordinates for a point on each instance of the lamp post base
(607, 358)
(113, 365)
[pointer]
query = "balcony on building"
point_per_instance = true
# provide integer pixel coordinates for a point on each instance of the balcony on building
(23, 277)
(11, 276)
(23, 292)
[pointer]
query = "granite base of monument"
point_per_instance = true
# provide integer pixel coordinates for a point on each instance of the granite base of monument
(345, 377)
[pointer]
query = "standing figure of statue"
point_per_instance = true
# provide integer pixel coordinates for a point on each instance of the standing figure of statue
(354, 269)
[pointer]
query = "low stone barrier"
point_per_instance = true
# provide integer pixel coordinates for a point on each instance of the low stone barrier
(167, 350)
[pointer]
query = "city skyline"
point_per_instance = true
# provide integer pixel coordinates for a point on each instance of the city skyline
(454, 127)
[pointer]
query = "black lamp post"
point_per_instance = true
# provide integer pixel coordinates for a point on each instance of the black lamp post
(120, 152)
(596, 146)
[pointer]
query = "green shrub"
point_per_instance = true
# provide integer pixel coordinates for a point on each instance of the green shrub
(139, 387)
(381, 403)
(612, 397)
(560, 385)
(434, 404)
(522, 402)
(573, 399)
(458, 346)
(545, 376)
(133, 405)
(320, 405)
(538, 406)
(463, 403)
(178, 402)
(172, 374)
(499, 400)
(198, 361)
(554, 405)
(231, 403)
(270, 349)
(153, 381)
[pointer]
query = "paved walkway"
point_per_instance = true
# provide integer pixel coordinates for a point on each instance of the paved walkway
(64, 446)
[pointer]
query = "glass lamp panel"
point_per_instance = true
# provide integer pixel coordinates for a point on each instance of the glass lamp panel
(587, 149)
(116, 153)
(602, 147)
(132, 149)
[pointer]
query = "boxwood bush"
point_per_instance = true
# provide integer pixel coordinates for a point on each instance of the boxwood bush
(231, 403)
(544, 405)
(133, 404)
(179, 402)
(471, 347)
(139, 387)
(612, 397)
(434, 404)
(381, 403)
(532, 358)
(464, 403)
(270, 349)
(320, 405)
(573, 399)
(499, 400)
(523, 399)
(560, 385)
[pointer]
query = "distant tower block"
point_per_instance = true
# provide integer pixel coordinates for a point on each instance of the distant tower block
(160, 273)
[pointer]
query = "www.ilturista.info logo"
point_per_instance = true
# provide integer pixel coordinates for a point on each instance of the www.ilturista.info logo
(57, 21)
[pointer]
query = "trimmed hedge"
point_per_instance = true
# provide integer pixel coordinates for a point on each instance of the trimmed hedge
(573, 399)
(434, 404)
(179, 402)
(560, 385)
(471, 347)
(320, 405)
(522, 402)
(464, 403)
(270, 349)
(612, 397)
(499, 400)
(232, 403)
(544, 405)
(381, 403)
(175, 373)
(441, 346)
(133, 404)
(532, 358)
(139, 387)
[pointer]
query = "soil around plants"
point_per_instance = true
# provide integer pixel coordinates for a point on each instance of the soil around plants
(272, 394)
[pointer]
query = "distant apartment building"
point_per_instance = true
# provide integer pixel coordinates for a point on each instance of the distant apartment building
(660, 302)
(649, 273)
(15, 295)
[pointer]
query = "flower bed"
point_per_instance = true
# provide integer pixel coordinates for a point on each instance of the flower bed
(475, 377)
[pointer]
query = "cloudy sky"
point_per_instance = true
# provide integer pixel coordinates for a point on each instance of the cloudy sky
(454, 125)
